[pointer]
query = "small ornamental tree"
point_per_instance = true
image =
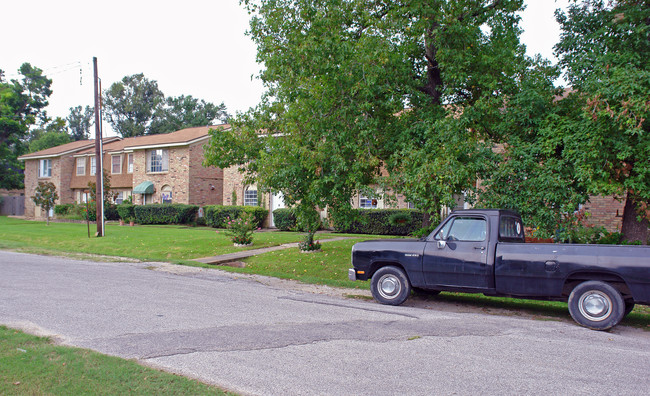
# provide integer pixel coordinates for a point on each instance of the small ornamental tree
(45, 197)
(240, 230)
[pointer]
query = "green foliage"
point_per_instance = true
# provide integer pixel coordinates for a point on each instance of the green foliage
(241, 229)
(63, 209)
(22, 103)
(184, 112)
(126, 211)
(377, 221)
(130, 105)
(45, 196)
(217, 215)
(165, 213)
(285, 219)
(605, 53)
(80, 120)
(339, 74)
(49, 139)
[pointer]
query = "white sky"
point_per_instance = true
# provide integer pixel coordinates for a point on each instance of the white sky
(190, 47)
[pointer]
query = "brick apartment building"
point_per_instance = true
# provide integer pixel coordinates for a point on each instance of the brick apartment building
(163, 168)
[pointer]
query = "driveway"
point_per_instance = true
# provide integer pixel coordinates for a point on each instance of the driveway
(260, 336)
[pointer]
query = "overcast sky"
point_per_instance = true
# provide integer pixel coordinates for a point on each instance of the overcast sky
(190, 47)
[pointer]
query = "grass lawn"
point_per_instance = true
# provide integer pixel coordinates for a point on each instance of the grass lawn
(176, 244)
(32, 365)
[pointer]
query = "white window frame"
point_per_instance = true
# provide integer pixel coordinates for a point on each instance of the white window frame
(93, 165)
(158, 161)
(81, 166)
(113, 164)
(45, 168)
(250, 197)
(129, 163)
(119, 197)
(366, 203)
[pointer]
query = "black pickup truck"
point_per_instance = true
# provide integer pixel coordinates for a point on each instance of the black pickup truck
(483, 251)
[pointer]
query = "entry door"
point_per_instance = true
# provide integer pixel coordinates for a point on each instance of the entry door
(277, 202)
(457, 256)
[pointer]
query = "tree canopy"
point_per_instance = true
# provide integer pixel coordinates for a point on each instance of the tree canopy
(185, 111)
(79, 121)
(136, 106)
(55, 133)
(605, 54)
(22, 104)
(131, 103)
(355, 87)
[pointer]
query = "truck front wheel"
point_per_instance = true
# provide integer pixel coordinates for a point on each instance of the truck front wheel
(390, 286)
(596, 305)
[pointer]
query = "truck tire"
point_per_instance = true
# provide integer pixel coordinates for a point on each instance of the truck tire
(390, 286)
(596, 305)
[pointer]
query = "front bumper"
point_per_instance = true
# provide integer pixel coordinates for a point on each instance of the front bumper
(352, 274)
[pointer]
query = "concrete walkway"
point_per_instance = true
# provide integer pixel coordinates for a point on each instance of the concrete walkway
(230, 257)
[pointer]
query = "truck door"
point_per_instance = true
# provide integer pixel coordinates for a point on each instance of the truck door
(457, 255)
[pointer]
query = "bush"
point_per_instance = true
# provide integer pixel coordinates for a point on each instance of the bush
(241, 230)
(217, 215)
(63, 209)
(378, 222)
(284, 219)
(126, 211)
(165, 213)
(110, 212)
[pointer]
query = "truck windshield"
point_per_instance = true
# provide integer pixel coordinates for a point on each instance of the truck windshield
(464, 229)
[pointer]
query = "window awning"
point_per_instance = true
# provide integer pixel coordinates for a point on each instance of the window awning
(145, 187)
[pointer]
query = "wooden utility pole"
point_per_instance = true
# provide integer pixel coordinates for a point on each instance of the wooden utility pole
(99, 181)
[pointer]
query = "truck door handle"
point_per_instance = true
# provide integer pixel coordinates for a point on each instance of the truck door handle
(479, 247)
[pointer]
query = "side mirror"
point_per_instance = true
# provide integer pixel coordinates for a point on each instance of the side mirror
(442, 244)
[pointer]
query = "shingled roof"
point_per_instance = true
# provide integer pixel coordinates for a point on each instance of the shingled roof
(63, 149)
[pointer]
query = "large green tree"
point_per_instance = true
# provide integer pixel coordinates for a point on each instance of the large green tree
(22, 104)
(131, 104)
(354, 86)
(605, 53)
(54, 133)
(184, 112)
(80, 120)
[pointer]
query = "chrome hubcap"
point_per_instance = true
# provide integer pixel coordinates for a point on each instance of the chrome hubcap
(389, 286)
(595, 305)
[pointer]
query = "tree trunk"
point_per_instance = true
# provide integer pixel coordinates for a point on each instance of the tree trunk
(633, 229)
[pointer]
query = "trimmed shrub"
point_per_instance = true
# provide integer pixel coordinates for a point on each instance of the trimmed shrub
(63, 209)
(126, 211)
(285, 219)
(165, 213)
(110, 212)
(217, 215)
(378, 222)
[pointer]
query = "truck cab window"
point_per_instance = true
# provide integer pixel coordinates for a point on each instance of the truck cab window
(468, 229)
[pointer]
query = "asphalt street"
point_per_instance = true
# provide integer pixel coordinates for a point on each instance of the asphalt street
(252, 338)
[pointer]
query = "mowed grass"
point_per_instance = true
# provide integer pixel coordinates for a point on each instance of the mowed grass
(149, 243)
(31, 365)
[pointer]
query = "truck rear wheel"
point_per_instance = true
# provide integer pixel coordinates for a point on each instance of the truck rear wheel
(390, 286)
(596, 305)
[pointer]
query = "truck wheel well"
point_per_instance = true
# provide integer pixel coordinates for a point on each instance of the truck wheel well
(576, 278)
(379, 264)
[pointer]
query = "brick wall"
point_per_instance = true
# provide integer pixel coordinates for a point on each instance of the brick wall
(31, 181)
(205, 183)
(177, 177)
(606, 212)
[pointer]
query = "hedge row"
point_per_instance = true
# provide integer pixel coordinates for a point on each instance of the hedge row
(285, 219)
(165, 213)
(217, 215)
(378, 222)
(79, 211)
